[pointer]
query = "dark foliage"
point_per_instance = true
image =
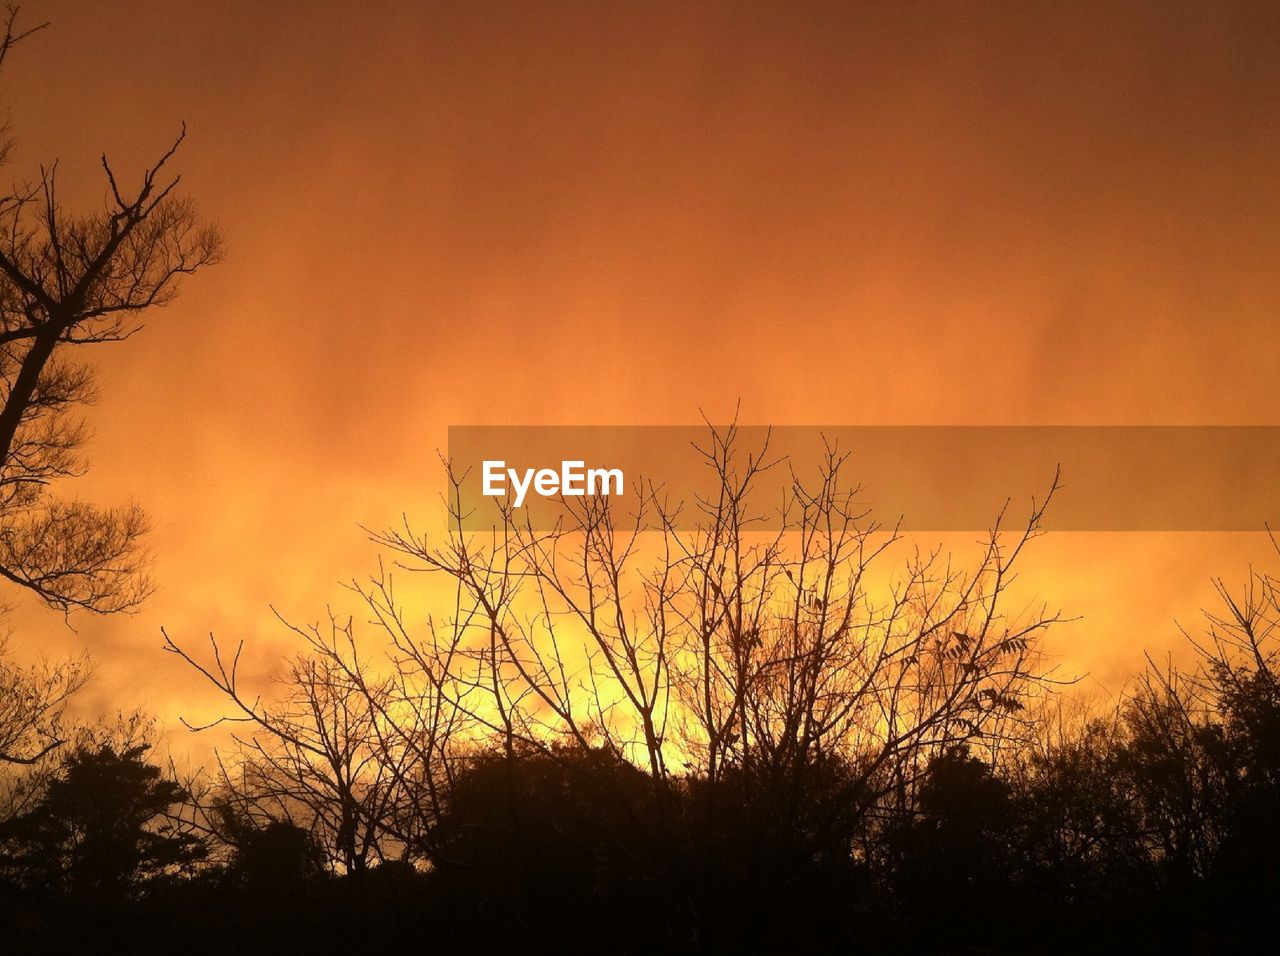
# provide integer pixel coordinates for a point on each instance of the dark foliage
(100, 832)
(1123, 833)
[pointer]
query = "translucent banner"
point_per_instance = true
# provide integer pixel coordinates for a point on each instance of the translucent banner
(932, 478)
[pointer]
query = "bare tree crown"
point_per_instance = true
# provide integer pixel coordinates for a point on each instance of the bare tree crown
(69, 280)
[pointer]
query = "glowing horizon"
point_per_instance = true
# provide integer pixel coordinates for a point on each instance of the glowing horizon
(436, 217)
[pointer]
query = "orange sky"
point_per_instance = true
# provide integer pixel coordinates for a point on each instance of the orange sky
(608, 213)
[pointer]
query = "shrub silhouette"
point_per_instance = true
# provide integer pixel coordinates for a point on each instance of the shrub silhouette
(529, 831)
(954, 859)
(275, 857)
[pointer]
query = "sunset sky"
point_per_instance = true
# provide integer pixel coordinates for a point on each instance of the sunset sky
(584, 213)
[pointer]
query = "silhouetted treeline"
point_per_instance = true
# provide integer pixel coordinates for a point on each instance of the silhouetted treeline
(1154, 825)
(815, 738)
(762, 758)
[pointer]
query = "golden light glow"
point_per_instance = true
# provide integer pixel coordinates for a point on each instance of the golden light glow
(441, 215)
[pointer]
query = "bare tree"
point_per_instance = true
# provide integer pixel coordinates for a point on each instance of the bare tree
(313, 758)
(767, 661)
(69, 280)
(823, 681)
(32, 703)
(1240, 651)
(733, 648)
(566, 631)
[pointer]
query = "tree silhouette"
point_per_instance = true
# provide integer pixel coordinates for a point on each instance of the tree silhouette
(527, 828)
(101, 831)
(475, 777)
(32, 702)
(318, 759)
(277, 856)
(526, 746)
(954, 859)
(68, 281)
